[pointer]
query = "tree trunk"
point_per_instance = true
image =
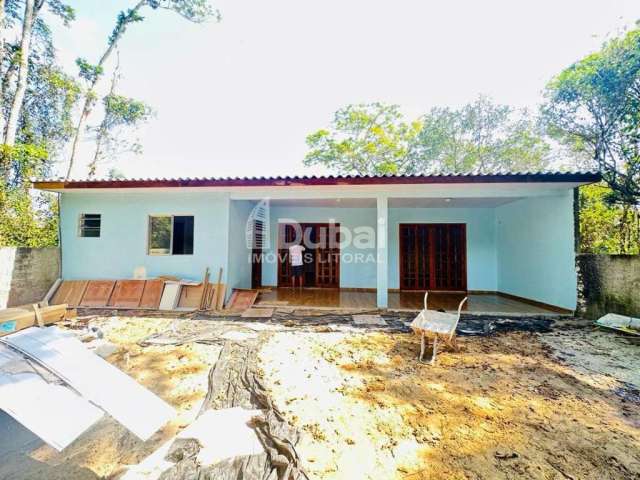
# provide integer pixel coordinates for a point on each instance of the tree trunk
(23, 73)
(2, 31)
(103, 129)
(88, 99)
(624, 229)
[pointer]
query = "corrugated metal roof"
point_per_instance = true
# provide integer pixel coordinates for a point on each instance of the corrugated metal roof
(470, 177)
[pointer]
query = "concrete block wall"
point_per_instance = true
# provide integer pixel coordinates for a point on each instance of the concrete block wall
(26, 274)
(608, 284)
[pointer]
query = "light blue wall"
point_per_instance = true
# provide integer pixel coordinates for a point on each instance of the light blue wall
(525, 248)
(122, 245)
(239, 255)
(481, 252)
(481, 245)
(355, 272)
(536, 253)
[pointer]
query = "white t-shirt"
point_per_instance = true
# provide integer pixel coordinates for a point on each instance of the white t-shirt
(295, 254)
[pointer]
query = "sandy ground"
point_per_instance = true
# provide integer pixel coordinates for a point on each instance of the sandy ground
(177, 374)
(520, 405)
(503, 407)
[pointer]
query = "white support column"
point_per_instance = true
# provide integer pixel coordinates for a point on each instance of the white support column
(381, 250)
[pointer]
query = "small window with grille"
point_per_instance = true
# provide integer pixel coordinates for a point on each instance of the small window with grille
(89, 225)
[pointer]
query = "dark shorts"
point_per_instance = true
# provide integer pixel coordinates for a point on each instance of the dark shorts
(297, 270)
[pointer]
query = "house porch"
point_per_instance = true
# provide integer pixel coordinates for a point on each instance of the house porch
(329, 298)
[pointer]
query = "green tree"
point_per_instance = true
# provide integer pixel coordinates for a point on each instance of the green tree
(192, 10)
(606, 227)
(594, 107)
(365, 139)
(37, 105)
(481, 137)
(120, 113)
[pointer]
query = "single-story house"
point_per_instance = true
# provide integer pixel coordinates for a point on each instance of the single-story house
(511, 235)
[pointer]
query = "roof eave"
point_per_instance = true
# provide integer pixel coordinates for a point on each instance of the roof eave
(572, 177)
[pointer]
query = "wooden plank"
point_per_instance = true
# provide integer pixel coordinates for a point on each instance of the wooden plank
(70, 292)
(215, 298)
(15, 319)
(220, 294)
(97, 293)
(190, 296)
(38, 315)
(205, 289)
(127, 293)
(241, 299)
(47, 298)
(152, 294)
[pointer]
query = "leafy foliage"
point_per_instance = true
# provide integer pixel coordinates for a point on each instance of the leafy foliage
(369, 138)
(120, 113)
(607, 228)
(481, 136)
(594, 106)
(197, 11)
(26, 219)
(87, 71)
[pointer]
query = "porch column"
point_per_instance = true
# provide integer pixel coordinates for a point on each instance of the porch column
(381, 251)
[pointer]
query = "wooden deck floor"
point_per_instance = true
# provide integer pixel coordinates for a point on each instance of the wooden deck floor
(336, 298)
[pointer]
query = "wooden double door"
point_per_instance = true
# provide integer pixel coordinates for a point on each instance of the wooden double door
(321, 255)
(433, 256)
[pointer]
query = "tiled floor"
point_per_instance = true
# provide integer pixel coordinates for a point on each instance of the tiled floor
(335, 298)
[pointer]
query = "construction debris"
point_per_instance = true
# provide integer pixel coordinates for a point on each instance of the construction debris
(368, 320)
(18, 318)
(30, 393)
(621, 323)
(164, 293)
(242, 299)
(102, 384)
(498, 409)
(257, 312)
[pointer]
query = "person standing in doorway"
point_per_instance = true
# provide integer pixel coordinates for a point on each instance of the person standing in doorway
(297, 263)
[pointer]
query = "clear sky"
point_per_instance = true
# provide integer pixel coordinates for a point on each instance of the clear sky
(239, 97)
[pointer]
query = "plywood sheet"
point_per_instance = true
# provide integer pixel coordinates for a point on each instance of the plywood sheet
(135, 407)
(242, 299)
(97, 293)
(69, 292)
(152, 294)
(127, 293)
(190, 296)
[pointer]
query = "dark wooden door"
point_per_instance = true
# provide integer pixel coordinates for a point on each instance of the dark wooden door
(328, 256)
(433, 256)
(322, 257)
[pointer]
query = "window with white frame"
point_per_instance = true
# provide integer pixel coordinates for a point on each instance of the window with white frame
(89, 225)
(170, 235)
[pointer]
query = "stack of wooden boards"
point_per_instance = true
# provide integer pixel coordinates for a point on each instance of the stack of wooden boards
(153, 294)
(19, 318)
